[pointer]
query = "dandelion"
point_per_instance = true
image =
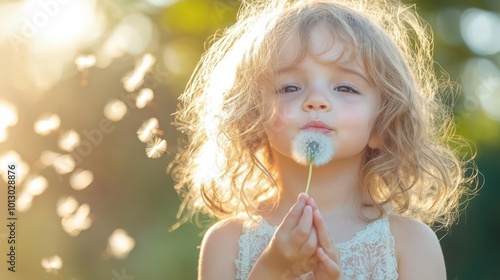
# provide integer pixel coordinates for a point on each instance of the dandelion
(115, 110)
(155, 148)
(311, 148)
(46, 124)
(120, 244)
(148, 130)
(69, 140)
(80, 179)
(144, 97)
(52, 264)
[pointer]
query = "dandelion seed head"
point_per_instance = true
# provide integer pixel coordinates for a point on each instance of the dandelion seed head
(46, 124)
(312, 147)
(155, 148)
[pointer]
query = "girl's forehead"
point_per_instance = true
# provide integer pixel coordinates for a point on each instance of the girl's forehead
(321, 43)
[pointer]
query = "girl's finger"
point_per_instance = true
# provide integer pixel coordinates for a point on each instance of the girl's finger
(294, 215)
(308, 247)
(324, 238)
(303, 229)
(330, 267)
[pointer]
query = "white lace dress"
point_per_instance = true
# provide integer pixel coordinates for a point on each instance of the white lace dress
(368, 255)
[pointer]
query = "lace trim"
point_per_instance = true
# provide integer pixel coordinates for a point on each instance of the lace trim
(368, 255)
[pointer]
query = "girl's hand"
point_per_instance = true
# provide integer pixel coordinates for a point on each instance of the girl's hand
(293, 243)
(327, 254)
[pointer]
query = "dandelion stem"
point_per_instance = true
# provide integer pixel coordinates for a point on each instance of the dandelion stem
(309, 178)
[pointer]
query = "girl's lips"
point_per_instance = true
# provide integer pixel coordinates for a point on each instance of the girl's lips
(317, 126)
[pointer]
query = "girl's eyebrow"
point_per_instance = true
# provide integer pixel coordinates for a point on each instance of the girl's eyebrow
(354, 71)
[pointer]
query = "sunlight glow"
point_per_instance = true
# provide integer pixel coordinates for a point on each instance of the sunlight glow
(480, 31)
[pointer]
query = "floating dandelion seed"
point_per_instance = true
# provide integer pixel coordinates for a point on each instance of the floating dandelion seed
(66, 206)
(155, 148)
(80, 179)
(24, 202)
(132, 82)
(52, 264)
(120, 244)
(74, 223)
(48, 157)
(64, 164)
(10, 157)
(35, 186)
(8, 114)
(115, 110)
(85, 61)
(4, 134)
(69, 140)
(144, 97)
(46, 124)
(148, 130)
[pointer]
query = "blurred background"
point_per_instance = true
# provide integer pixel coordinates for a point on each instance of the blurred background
(87, 89)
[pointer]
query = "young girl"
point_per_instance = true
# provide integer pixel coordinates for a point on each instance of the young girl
(359, 72)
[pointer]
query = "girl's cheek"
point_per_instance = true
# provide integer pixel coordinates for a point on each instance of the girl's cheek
(281, 121)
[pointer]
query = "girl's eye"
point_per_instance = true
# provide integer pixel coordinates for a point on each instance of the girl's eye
(287, 89)
(346, 89)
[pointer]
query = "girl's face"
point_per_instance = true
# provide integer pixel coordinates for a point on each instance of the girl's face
(327, 92)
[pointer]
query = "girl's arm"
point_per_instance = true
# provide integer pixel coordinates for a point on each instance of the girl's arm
(418, 250)
(219, 250)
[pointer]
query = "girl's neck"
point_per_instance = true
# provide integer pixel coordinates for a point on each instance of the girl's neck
(334, 187)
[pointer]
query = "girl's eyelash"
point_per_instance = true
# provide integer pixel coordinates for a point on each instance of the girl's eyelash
(347, 89)
(284, 88)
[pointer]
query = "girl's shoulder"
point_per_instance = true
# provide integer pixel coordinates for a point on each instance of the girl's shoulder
(416, 246)
(219, 249)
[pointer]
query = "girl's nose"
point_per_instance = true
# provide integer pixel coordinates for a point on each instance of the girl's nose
(316, 101)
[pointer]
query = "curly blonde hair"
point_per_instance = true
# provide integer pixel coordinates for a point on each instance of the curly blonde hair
(226, 166)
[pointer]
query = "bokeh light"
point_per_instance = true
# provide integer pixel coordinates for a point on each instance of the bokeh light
(81, 179)
(480, 31)
(115, 110)
(47, 123)
(120, 244)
